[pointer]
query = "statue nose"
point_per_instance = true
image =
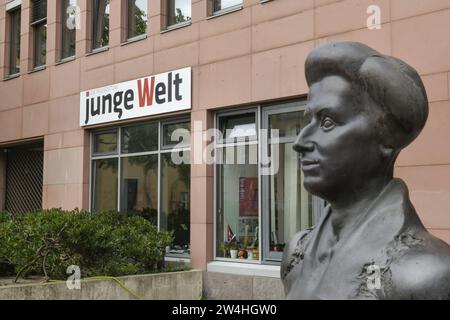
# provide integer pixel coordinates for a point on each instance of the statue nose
(301, 146)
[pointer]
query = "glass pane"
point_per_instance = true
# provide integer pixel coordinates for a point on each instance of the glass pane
(175, 202)
(239, 126)
(139, 186)
(105, 185)
(137, 18)
(289, 124)
(100, 23)
(140, 138)
(40, 44)
(178, 11)
(237, 211)
(68, 12)
(290, 204)
(224, 4)
(182, 135)
(105, 142)
(14, 53)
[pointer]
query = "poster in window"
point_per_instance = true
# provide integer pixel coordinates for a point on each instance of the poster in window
(248, 196)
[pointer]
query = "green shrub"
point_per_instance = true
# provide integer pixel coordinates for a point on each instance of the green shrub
(47, 242)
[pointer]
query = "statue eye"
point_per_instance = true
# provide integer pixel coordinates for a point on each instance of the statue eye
(327, 123)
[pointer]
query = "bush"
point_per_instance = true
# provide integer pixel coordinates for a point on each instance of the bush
(101, 244)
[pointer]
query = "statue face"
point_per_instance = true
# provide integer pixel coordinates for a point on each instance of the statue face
(339, 148)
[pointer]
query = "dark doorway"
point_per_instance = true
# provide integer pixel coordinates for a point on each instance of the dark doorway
(24, 170)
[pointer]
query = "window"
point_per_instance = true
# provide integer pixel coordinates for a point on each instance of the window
(178, 11)
(147, 170)
(287, 206)
(100, 23)
(250, 203)
(222, 5)
(39, 26)
(68, 30)
(136, 18)
(14, 41)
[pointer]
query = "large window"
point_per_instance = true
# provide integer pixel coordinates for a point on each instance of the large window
(258, 211)
(223, 5)
(136, 18)
(39, 26)
(68, 28)
(14, 41)
(100, 23)
(178, 11)
(138, 169)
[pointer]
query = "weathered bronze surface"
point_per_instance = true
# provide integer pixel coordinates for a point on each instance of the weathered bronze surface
(363, 109)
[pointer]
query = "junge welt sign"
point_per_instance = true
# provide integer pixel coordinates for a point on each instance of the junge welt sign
(157, 94)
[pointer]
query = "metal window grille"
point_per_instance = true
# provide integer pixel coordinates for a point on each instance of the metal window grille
(24, 173)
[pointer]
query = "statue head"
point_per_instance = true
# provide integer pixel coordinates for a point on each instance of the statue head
(363, 109)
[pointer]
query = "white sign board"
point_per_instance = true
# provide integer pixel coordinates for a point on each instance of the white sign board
(157, 94)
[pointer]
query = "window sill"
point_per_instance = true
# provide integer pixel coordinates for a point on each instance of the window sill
(247, 269)
(37, 69)
(134, 39)
(177, 26)
(98, 50)
(65, 60)
(11, 76)
(225, 11)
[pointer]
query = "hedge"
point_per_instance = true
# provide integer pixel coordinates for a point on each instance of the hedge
(46, 242)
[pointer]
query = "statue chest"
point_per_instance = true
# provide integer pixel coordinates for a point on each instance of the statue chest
(350, 272)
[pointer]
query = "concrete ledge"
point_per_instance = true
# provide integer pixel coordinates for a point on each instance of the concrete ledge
(224, 286)
(186, 285)
(246, 269)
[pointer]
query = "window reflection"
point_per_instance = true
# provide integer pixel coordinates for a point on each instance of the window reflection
(68, 28)
(237, 212)
(175, 202)
(136, 18)
(105, 185)
(225, 4)
(179, 11)
(140, 138)
(139, 187)
(100, 23)
(105, 142)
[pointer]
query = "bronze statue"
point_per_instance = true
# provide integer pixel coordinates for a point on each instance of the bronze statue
(363, 108)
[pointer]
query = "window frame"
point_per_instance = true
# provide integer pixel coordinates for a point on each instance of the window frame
(35, 26)
(219, 142)
(11, 18)
(127, 37)
(64, 32)
(119, 155)
(214, 12)
(177, 25)
(270, 257)
(165, 147)
(93, 48)
(318, 205)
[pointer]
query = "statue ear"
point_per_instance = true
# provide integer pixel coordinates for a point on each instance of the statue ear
(387, 151)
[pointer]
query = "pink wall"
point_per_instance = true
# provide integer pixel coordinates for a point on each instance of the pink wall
(252, 55)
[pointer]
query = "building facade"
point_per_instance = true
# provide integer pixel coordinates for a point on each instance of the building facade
(93, 91)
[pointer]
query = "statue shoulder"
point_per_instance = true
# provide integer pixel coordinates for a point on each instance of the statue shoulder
(293, 251)
(424, 275)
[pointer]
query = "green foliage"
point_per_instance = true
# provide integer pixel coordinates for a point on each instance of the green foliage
(101, 244)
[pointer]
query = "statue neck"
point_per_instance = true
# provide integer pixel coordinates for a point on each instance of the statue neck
(348, 207)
